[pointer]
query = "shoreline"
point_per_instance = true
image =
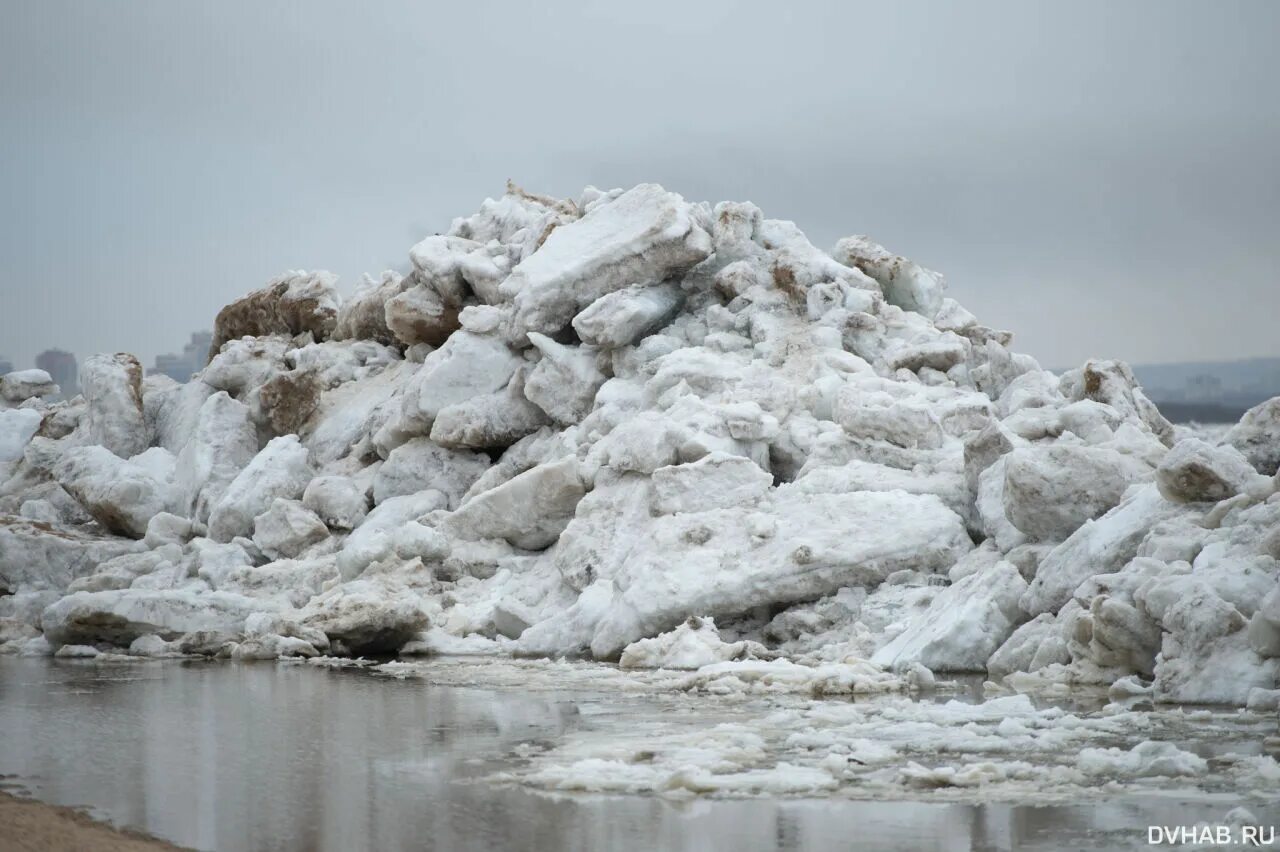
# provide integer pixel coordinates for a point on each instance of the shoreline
(35, 826)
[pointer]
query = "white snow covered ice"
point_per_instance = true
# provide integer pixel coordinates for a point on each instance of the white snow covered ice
(590, 427)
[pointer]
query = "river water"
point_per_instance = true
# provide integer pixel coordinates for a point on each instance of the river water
(232, 757)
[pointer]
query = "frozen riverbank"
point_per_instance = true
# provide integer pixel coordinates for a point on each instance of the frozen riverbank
(463, 754)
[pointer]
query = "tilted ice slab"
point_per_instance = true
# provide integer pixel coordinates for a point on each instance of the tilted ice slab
(644, 234)
(963, 626)
(121, 616)
(794, 547)
(34, 556)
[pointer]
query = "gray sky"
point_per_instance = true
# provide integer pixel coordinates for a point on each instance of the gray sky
(1099, 177)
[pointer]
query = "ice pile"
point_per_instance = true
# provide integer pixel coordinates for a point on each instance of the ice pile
(580, 425)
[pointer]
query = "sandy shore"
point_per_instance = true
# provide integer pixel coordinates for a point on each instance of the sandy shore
(31, 826)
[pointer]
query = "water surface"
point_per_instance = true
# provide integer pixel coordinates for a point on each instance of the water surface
(260, 756)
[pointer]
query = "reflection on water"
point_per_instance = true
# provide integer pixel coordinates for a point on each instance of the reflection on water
(265, 757)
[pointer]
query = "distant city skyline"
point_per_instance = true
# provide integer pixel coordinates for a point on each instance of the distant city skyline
(192, 359)
(63, 365)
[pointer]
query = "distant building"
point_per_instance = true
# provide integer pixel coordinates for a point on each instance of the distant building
(61, 367)
(180, 368)
(6, 366)
(1204, 388)
(173, 366)
(197, 349)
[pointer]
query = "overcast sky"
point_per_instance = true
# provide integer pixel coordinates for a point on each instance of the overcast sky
(1101, 178)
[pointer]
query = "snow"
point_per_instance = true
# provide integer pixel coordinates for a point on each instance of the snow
(363, 316)
(1143, 760)
(711, 563)
(112, 387)
(173, 412)
(491, 420)
(905, 284)
(121, 495)
(17, 427)
(420, 464)
(337, 500)
(375, 538)
(565, 381)
(625, 316)
(1100, 546)
(366, 616)
(34, 556)
(675, 435)
(715, 481)
(435, 641)
(287, 528)
(20, 385)
(420, 315)
(645, 234)
(466, 366)
(883, 747)
(1257, 436)
(221, 446)
(297, 302)
(120, 616)
(602, 776)
(280, 469)
(1264, 626)
(452, 265)
(1194, 471)
(286, 582)
(858, 677)
(966, 623)
(1049, 492)
(530, 510)
(692, 645)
